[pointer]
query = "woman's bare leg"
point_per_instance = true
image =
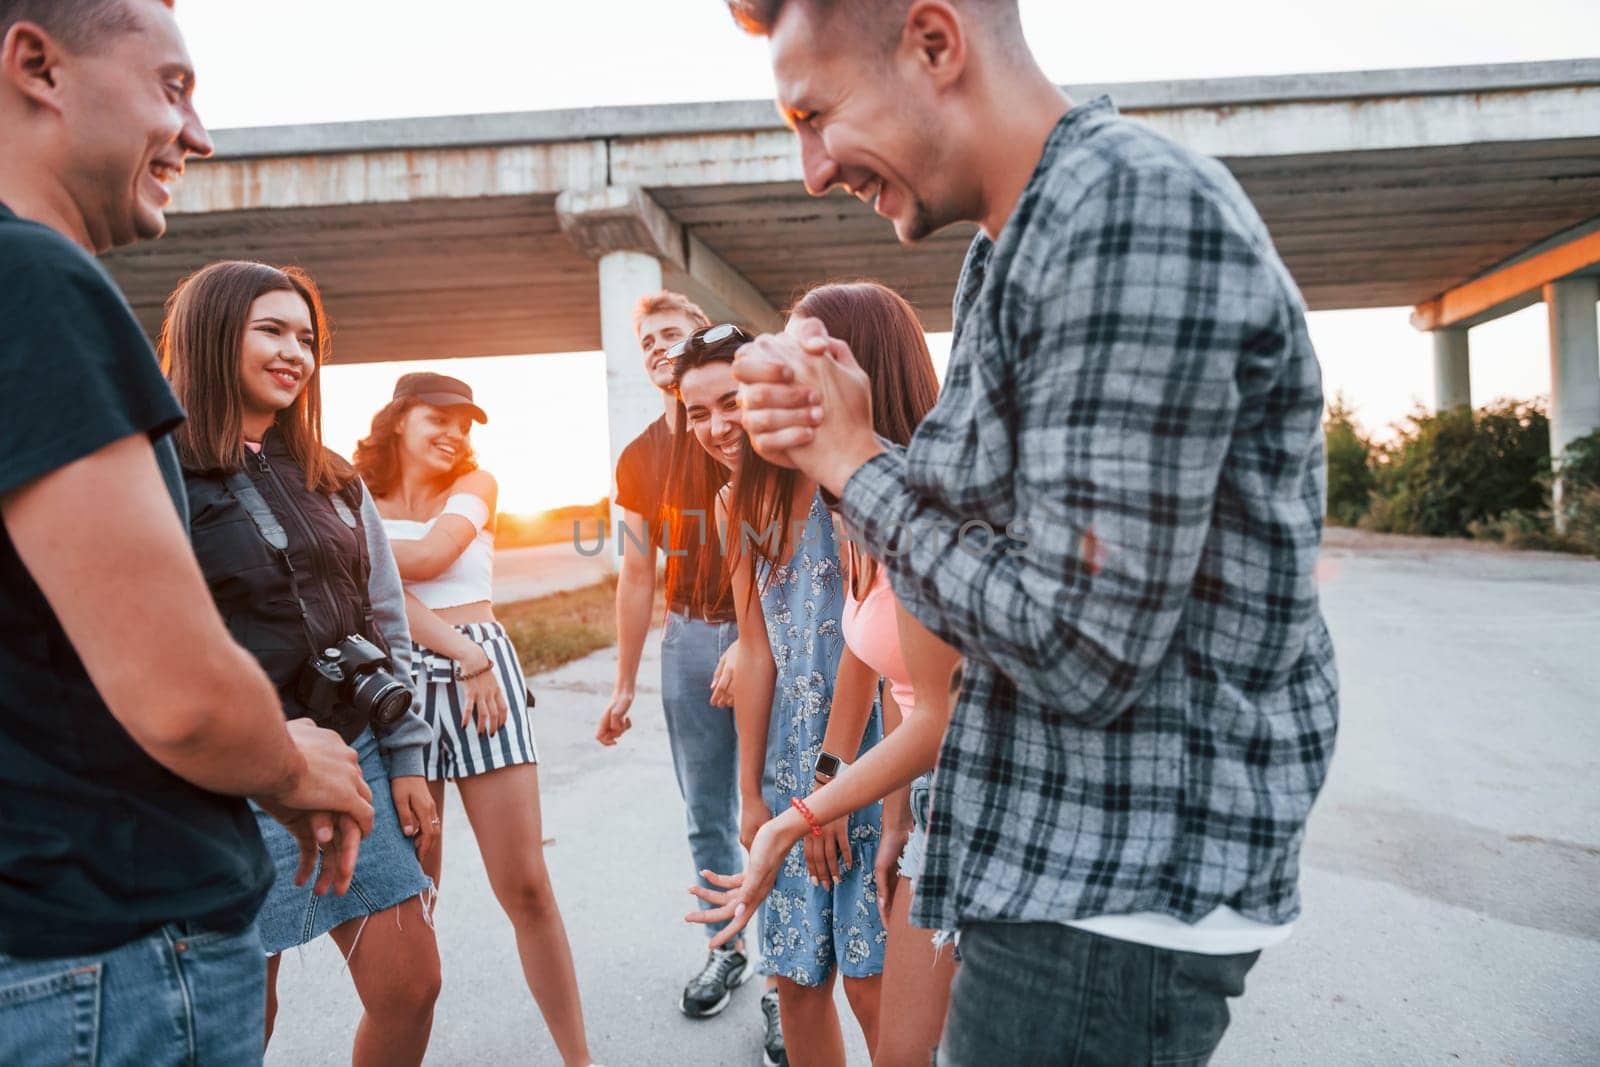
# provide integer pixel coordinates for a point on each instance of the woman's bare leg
(394, 962)
(272, 996)
(916, 990)
(503, 807)
(864, 995)
(811, 1032)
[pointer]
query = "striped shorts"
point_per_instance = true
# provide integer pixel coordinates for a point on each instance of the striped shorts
(461, 752)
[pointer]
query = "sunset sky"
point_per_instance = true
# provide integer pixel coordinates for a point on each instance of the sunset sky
(299, 61)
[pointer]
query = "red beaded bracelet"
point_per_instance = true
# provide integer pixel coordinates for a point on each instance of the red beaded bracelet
(800, 806)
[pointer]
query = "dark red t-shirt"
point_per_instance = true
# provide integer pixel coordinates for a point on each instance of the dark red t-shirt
(642, 477)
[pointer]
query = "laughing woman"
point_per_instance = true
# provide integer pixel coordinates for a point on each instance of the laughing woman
(883, 332)
(438, 508)
(296, 559)
(798, 693)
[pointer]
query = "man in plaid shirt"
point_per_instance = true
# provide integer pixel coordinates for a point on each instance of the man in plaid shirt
(1113, 513)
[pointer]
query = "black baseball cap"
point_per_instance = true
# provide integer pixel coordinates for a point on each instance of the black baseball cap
(440, 390)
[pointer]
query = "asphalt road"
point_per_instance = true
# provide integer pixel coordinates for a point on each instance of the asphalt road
(1451, 875)
(526, 573)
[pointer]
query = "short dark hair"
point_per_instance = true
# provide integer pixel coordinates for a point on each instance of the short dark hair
(758, 17)
(80, 25)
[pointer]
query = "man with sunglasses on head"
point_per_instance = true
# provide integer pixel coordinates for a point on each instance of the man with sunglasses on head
(697, 646)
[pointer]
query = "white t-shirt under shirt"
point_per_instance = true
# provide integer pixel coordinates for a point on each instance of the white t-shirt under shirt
(1222, 933)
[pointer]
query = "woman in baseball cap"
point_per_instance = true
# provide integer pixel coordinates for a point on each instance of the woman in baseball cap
(438, 508)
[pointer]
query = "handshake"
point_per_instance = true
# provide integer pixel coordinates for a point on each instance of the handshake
(807, 403)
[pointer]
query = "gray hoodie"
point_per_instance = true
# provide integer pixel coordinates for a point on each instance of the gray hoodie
(405, 742)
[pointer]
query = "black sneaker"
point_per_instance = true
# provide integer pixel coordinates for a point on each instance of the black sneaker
(707, 993)
(773, 1054)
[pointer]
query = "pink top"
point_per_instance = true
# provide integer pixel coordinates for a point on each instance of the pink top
(872, 634)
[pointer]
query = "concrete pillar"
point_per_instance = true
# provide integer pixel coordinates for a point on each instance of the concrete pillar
(632, 402)
(1452, 372)
(1574, 365)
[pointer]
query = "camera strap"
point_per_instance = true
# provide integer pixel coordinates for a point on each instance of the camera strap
(341, 508)
(276, 537)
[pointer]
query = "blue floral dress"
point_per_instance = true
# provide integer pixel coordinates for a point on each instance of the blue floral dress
(806, 930)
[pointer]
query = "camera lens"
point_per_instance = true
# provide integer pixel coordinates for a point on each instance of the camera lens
(382, 698)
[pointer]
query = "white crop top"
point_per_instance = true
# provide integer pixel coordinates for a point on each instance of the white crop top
(471, 577)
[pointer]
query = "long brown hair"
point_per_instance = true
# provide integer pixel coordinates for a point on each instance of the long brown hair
(694, 478)
(377, 455)
(206, 318)
(886, 338)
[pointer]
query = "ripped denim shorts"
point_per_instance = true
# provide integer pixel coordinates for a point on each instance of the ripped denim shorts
(387, 871)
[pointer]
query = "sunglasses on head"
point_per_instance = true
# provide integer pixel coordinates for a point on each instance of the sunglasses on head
(709, 336)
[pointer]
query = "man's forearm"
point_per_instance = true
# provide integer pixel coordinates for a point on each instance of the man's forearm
(234, 742)
(832, 463)
(137, 610)
(635, 603)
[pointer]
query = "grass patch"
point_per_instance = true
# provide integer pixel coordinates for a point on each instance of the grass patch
(556, 629)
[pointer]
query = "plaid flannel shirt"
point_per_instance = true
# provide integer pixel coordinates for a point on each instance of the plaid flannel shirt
(1130, 435)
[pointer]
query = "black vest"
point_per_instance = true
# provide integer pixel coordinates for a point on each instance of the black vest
(250, 582)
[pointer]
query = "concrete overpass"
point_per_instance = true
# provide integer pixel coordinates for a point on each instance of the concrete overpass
(1465, 191)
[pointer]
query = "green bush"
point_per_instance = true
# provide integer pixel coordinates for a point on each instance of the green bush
(1580, 462)
(1349, 455)
(1580, 501)
(1444, 473)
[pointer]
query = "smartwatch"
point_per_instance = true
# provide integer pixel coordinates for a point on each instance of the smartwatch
(829, 766)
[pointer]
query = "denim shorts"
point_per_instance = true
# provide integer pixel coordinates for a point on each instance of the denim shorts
(182, 994)
(916, 850)
(387, 871)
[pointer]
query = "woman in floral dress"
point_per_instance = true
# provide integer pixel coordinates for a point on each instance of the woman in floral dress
(799, 693)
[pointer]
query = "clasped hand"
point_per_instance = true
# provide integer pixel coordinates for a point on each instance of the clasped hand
(807, 403)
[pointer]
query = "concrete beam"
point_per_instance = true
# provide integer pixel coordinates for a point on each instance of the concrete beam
(618, 218)
(628, 219)
(1265, 130)
(658, 120)
(722, 292)
(1514, 285)
(311, 181)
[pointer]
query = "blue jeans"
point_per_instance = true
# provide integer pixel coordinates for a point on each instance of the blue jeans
(1044, 993)
(181, 995)
(705, 743)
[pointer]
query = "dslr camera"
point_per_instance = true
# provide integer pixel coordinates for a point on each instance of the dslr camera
(354, 670)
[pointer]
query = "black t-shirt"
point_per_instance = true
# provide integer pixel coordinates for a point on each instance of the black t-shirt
(99, 844)
(642, 479)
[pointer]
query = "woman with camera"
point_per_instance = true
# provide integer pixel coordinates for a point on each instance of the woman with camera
(439, 508)
(297, 561)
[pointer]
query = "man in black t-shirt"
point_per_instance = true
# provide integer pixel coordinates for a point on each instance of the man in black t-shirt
(697, 645)
(131, 725)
